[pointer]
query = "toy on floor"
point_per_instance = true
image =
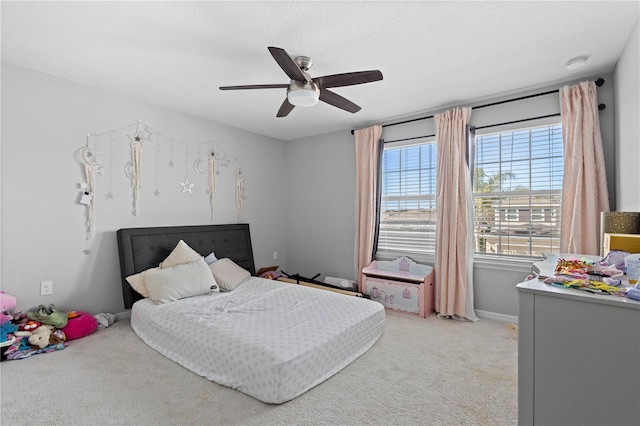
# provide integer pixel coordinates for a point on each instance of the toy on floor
(52, 316)
(7, 302)
(40, 336)
(29, 325)
(80, 324)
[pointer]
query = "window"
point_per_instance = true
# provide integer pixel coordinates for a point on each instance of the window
(408, 202)
(511, 215)
(537, 215)
(517, 190)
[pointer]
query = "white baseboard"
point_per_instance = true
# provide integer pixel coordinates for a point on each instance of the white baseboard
(496, 316)
(125, 315)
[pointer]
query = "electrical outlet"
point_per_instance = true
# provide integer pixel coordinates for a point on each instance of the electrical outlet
(275, 255)
(46, 288)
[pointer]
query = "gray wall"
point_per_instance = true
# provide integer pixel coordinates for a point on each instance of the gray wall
(321, 186)
(627, 98)
(321, 182)
(44, 121)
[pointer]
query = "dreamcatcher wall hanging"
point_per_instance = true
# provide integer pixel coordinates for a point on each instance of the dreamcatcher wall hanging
(215, 159)
(106, 152)
(141, 140)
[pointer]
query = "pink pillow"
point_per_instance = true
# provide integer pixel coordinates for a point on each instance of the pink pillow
(80, 326)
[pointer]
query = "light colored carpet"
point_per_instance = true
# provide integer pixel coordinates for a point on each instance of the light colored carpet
(420, 372)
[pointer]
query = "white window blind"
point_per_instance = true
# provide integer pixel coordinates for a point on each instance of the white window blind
(408, 203)
(517, 186)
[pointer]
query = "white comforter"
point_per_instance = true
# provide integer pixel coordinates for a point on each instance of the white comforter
(268, 339)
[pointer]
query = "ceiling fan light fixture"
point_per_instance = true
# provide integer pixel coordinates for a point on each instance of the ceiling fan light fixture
(305, 91)
(304, 96)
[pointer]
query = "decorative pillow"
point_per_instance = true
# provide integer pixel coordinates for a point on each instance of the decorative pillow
(211, 258)
(80, 325)
(228, 274)
(180, 281)
(137, 282)
(180, 255)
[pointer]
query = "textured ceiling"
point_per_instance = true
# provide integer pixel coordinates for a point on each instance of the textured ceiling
(432, 54)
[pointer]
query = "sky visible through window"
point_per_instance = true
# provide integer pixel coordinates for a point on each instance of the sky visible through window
(527, 159)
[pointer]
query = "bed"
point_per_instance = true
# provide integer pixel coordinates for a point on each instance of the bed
(268, 339)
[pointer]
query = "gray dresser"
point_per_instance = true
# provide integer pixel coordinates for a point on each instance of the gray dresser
(578, 355)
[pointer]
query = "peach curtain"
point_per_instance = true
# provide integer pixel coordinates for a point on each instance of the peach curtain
(367, 160)
(584, 192)
(454, 206)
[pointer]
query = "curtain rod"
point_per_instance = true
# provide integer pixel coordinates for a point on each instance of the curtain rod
(481, 127)
(599, 82)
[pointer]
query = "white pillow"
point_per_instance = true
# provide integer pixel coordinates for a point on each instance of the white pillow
(180, 281)
(181, 254)
(137, 282)
(228, 274)
(211, 258)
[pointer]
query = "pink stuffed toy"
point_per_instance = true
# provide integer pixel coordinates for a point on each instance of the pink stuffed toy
(80, 324)
(7, 302)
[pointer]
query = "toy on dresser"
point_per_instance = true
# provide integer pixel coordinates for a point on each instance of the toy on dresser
(401, 285)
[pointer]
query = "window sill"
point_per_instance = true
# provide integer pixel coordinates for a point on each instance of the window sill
(509, 264)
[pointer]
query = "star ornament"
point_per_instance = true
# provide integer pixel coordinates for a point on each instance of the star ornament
(136, 137)
(186, 186)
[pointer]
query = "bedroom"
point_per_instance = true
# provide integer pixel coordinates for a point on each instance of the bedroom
(46, 117)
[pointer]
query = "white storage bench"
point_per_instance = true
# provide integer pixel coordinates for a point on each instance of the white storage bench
(401, 285)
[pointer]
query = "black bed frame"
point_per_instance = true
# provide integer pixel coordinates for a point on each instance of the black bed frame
(144, 248)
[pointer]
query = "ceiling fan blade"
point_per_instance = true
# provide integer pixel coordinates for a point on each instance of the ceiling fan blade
(338, 101)
(285, 108)
(348, 79)
(286, 63)
(256, 86)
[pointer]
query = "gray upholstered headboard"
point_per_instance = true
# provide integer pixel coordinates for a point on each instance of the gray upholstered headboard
(144, 248)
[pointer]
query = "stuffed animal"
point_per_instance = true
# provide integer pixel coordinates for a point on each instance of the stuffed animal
(40, 336)
(28, 326)
(7, 302)
(80, 325)
(57, 337)
(6, 330)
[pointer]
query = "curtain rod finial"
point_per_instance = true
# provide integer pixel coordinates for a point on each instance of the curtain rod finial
(599, 81)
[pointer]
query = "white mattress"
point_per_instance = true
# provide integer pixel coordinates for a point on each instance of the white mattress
(268, 339)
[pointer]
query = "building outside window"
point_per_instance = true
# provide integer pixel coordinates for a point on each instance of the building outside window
(517, 191)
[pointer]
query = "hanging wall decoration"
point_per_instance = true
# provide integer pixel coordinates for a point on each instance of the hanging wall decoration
(186, 185)
(136, 140)
(216, 158)
(139, 136)
(213, 171)
(112, 146)
(91, 168)
(156, 191)
(239, 191)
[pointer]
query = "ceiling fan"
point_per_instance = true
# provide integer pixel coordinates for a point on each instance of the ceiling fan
(303, 90)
